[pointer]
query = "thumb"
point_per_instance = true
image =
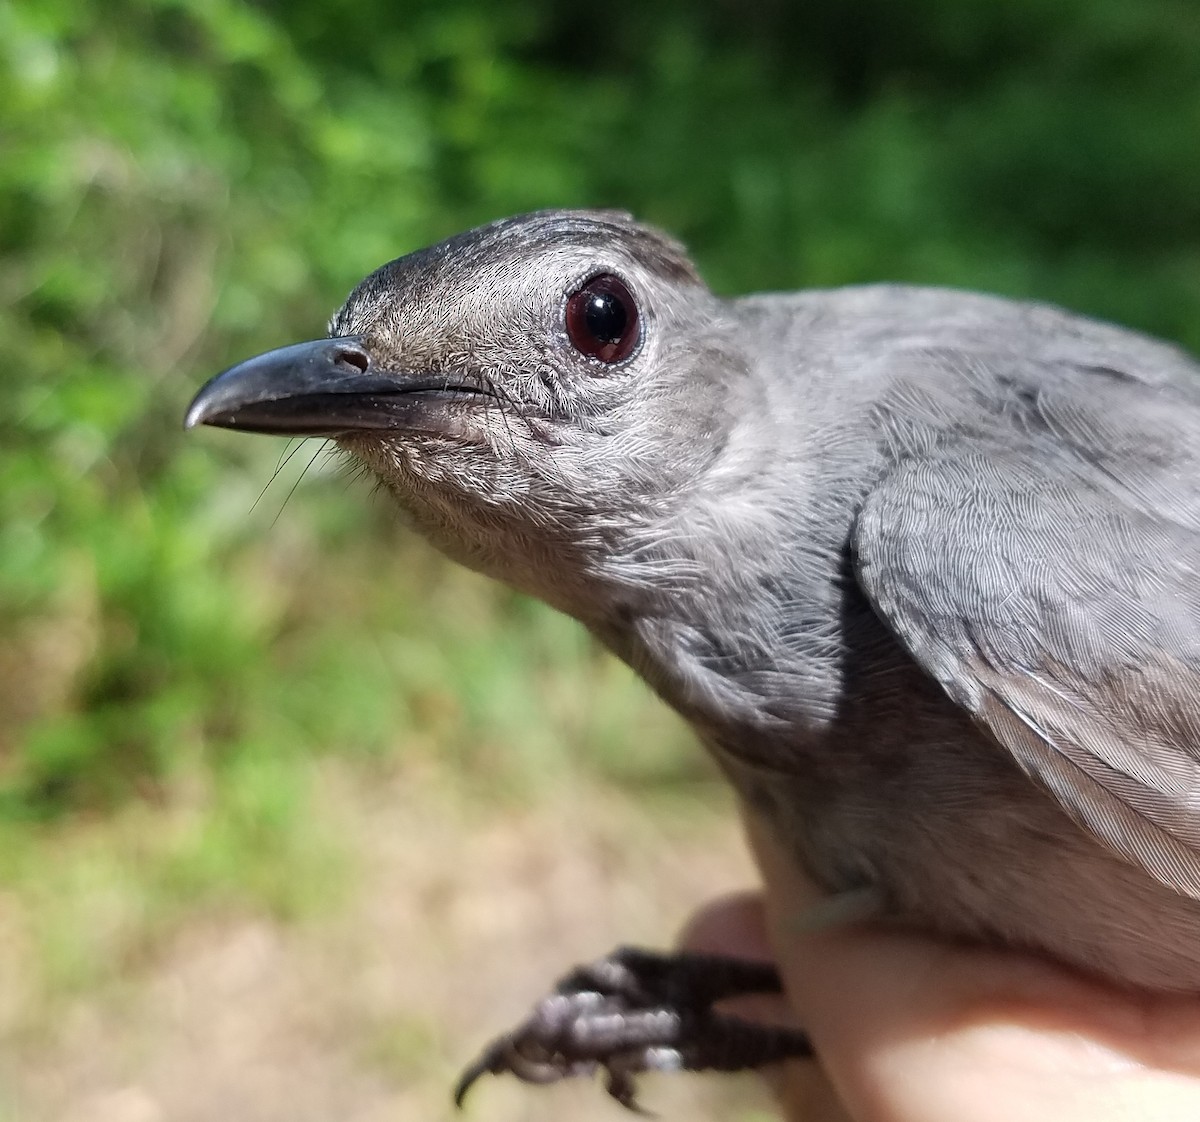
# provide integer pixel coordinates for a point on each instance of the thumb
(911, 1029)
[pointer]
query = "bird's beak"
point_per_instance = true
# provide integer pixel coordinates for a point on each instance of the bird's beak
(322, 388)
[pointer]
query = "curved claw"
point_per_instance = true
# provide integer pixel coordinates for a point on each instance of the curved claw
(506, 1056)
(636, 1011)
(468, 1080)
(623, 1087)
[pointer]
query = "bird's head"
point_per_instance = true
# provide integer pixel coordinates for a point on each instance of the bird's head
(537, 393)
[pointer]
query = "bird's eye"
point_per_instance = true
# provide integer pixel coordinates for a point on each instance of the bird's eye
(602, 319)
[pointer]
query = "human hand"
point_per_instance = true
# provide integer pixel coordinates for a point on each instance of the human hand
(908, 1029)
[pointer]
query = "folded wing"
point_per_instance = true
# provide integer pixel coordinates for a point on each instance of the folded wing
(1066, 619)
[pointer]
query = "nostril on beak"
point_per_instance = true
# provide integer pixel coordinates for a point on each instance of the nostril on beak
(353, 356)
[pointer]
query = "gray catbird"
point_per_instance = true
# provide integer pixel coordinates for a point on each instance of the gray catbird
(920, 567)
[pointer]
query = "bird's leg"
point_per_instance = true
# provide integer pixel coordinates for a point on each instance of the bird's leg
(636, 1011)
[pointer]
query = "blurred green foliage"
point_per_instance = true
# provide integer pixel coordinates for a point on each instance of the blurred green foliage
(183, 182)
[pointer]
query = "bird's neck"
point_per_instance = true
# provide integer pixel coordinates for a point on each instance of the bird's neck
(736, 621)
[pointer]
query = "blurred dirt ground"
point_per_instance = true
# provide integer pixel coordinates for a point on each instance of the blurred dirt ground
(457, 918)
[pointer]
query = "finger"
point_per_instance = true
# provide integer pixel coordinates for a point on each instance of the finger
(735, 925)
(914, 1030)
(731, 925)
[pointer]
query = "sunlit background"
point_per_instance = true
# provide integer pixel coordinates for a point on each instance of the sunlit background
(293, 815)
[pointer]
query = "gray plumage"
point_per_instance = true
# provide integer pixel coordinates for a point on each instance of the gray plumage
(919, 566)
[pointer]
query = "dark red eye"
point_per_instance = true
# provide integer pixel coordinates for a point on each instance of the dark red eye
(602, 319)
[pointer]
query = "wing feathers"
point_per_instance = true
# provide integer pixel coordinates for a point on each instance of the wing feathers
(1067, 623)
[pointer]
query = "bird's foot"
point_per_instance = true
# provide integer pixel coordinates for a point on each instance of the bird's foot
(636, 1011)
